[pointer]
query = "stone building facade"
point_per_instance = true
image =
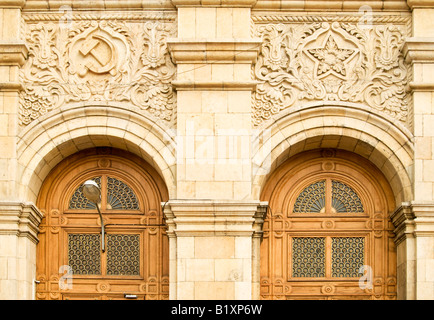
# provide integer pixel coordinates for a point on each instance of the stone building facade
(245, 149)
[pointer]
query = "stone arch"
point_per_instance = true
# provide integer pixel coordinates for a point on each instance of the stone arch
(67, 130)
(347, 126)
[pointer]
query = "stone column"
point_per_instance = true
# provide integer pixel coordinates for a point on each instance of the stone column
(18, 221)
(415, 220)
(212, 221)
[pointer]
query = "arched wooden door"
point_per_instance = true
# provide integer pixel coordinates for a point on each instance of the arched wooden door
(70, 262)
(327, 234)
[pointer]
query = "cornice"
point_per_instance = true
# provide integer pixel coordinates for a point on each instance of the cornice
(213, 217)
(20, 219)
(413, 219)
(197, 51)
(420, 4)
(15, 4)
(419, 50)
(331, 5)
(55, 5)
(214, 85)
(13, 53)
(214, 3)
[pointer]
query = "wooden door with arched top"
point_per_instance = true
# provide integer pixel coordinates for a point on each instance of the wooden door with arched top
(327, 234)
(70, 261)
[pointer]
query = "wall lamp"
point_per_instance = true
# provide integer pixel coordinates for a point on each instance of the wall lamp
(92, 192)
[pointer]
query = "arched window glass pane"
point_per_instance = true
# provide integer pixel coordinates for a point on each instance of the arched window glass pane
(345, 199)
(79, 201)
(311, 199)
(120, 195)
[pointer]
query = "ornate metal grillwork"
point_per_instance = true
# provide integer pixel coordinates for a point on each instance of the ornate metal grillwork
(308, 257)
(123, 254)
(79, 201)
(120, 195)
(345, 199)
(84, 253)
(347, 256)
(311, 199)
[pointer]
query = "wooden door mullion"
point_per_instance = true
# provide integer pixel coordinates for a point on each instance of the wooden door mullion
(328, 256)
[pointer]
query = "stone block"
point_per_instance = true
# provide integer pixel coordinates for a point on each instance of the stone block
(224, 27)
(206, 19)
(214, 190)
(214, 247)
(200, 270)
(214, 290)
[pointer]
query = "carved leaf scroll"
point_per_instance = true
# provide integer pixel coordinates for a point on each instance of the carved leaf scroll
(330, 61)
(98, 60)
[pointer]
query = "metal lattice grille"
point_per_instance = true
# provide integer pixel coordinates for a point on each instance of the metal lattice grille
(79, 201)
(347, 256)
(120, 195)
(123, 254)
(311, 199)
(345, 199)
(308, 257)
(84, 253)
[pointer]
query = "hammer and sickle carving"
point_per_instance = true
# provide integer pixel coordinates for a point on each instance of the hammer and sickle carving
(105, 62)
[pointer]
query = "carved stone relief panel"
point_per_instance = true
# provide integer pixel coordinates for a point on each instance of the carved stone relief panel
(331, 58)
(115, 58)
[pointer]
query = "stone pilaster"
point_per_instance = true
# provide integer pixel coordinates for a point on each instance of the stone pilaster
(214, 243)
(415, 219)
(414, 228)
(214, 248)
(18, 221)
(18, 238)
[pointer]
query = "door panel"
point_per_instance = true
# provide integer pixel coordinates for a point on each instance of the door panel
(328, 231)
(70, 262)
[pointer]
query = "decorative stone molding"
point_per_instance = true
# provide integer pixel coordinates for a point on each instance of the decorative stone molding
(55, 16)
(13, 53)
(214, 218)
(203, 51)
(214, 85)
(94, 59)
(313, 59)
(214, 3)
(98, 4)
(413, 219)
(20, 219)
(419, 50)
(12, 3)
(337, 5)
(420, 3)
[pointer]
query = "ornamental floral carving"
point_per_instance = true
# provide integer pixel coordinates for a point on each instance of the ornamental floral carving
(330, 61)
(98, 60)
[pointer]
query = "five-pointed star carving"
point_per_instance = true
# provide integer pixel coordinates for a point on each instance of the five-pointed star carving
(330, 58)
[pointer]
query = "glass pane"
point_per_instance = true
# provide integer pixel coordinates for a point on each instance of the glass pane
(308, 257)
(84, 253)
(345, 199)
(311, 199)
(79, 201)
(120, 196)
(123, 254)
(347, 256)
